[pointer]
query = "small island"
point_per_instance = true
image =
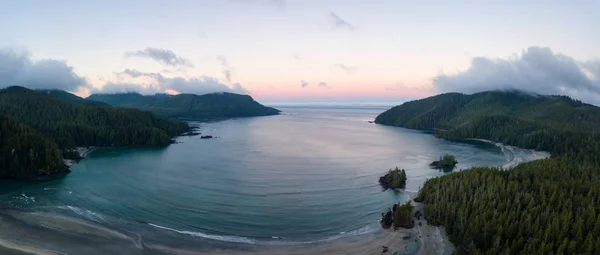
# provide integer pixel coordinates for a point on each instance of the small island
(394, 179)
(447, 161)
(399, 216)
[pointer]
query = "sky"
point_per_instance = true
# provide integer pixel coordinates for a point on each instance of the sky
(285, 51)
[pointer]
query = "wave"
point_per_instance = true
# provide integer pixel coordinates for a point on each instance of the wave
(238, 239)
(85, 213)
(234, 239)
(22, 200)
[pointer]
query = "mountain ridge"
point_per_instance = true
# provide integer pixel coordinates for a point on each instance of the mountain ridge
(514, 118)
(212, 106)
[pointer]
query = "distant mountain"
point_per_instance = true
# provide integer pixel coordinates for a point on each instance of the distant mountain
(190, 106)
(66, 96)
(515, 118)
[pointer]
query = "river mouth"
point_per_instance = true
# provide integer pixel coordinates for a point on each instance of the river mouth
(301, 178)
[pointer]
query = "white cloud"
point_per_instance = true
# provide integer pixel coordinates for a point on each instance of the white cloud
(536, 69)
(166, 57)
(17, 68)
(160, 84)
(338, 22)
(347, 69)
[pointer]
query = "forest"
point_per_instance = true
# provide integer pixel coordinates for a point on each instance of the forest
(213, 106)
(549, 206)
(25, 153)
(394, 179)
(43, 121)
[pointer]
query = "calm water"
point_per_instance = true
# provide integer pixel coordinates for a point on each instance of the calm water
(308, 175)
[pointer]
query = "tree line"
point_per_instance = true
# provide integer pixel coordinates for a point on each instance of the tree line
(66, 125)
(549, 206)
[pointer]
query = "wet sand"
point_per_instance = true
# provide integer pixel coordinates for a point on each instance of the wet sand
(24, 232)
(83, 152)
(515, 158)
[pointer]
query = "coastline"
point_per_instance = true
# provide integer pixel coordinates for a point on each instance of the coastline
(26, 232)
(83, 153)
(59, 234)
(34, 232)
(512, 151)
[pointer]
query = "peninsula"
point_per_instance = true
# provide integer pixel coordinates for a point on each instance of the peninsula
(213, 106)
(40, 128)
(538, 196)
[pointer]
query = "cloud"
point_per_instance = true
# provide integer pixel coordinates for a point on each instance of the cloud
(536, 69)
(297, 57)
(323, 84)
(17, 68)
(346, 68)
(279, 4)
(303, 83)
(200, 85)
(126, 87)
(160, 84)
(400, 86)
(165, 57)
(237, 87)
(135, 73)
(227, 70)
(339, 23)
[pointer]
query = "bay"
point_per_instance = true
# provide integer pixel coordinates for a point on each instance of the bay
(305, 176)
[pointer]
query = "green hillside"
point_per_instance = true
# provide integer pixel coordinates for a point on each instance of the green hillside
(212, 106)
(547, 206)
(25, 153)
(515, 118)
(70, 124)
(66, 96)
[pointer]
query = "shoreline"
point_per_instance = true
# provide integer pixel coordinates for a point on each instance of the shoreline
(83, 153)
(52, 233)
(509, 149)
(60, 234)
(33, 232)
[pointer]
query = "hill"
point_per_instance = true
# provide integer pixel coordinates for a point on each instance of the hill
(25, 153)
(514, 118)
(66, 96)
(71, 124)
(212, 106)
(547, 206)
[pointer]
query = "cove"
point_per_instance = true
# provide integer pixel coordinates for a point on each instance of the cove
(306, 176)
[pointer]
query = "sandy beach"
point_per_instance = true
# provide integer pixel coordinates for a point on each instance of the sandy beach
(26, 232)
(515, 154)
(83, 152)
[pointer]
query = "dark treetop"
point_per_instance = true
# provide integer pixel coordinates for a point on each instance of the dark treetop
(394, 179)
(212, 106)
(447, 161)
(556, 124)
(65, 124)
(547, 206)
(25, 153)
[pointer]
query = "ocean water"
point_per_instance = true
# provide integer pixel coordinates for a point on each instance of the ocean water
(306, 176)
